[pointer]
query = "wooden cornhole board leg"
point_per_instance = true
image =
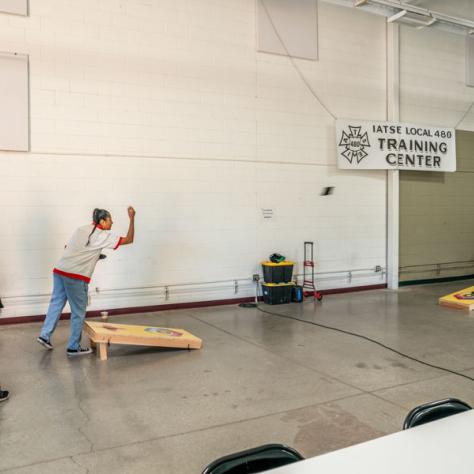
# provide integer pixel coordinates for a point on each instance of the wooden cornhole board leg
(103, 350)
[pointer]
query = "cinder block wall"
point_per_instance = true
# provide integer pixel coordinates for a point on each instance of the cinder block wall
(168, 106)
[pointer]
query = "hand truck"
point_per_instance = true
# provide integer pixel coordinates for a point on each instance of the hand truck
(308, 275)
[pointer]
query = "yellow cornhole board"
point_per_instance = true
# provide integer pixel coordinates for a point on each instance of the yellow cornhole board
(461, 299)
(102, 334)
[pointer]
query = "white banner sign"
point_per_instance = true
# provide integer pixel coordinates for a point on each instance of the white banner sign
(394, 145)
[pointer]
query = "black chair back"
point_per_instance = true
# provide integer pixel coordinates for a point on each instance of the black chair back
(434, 411)
(254, 460)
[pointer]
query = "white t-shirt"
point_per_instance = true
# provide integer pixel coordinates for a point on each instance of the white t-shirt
(78, 260)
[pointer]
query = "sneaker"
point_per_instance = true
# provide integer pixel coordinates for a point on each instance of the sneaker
(4, 394)
(79, 352)
(44, 343)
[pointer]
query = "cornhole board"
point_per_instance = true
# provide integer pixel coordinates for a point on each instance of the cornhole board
(461, 299)
(102, 334)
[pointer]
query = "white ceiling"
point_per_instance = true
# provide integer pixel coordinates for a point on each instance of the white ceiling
(458, 8)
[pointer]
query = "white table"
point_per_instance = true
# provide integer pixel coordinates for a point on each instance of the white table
(445, 446)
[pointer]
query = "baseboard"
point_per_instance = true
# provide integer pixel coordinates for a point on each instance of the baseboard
(186, 305)
(353, 289)
(435, 280)
(131, 310)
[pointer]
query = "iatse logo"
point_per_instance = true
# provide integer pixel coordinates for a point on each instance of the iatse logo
(354, 144)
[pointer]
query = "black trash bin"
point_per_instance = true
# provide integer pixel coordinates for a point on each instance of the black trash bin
(277, 272)
(277, 293)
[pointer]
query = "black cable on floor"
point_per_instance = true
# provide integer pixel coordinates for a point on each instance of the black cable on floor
(367, 339)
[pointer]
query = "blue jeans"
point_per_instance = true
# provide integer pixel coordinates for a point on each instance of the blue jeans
(74, 291)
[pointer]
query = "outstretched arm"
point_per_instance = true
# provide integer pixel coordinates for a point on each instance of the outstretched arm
(128, 239)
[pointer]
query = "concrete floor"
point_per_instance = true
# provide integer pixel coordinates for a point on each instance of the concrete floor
(258, 379)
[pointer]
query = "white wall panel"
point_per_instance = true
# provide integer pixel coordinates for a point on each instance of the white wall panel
(14, 105)
(469, 61)
(17, 7)
(288, 27)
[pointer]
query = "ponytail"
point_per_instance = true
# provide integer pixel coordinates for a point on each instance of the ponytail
(97, 216)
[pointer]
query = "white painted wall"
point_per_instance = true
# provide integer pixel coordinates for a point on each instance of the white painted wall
(167, 106)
